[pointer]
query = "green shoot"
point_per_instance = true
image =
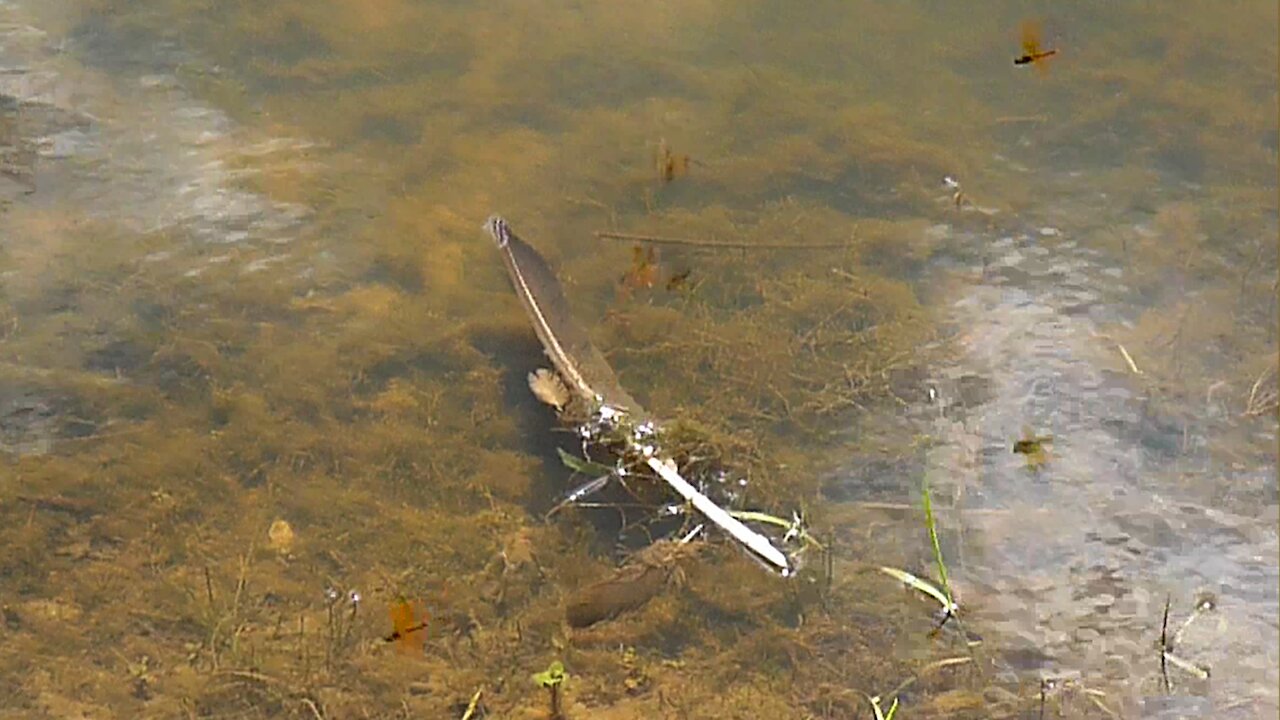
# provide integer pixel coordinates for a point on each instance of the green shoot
(580, 465)
(880, 714)
(793, 525)
(552, 677)
(950, 605)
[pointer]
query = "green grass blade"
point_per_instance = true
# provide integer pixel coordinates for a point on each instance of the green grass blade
(950, 604)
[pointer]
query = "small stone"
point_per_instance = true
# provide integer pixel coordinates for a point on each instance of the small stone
(281, 536)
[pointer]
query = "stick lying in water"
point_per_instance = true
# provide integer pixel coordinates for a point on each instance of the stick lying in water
(657, 240)
(755, 542)
(588, 374)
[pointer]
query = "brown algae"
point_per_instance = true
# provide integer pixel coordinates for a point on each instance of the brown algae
(369, 385)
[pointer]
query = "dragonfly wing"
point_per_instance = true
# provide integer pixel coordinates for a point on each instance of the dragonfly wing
(1030, 38)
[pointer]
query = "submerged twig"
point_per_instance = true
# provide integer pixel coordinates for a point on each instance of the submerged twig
(686, 242)
(471, 706)
(1204, 604)
(1129, 359)
(1164, 644)
(574, 496)
(754, 541)
(967, 511)
(311, 705)
(1262, 400)
(1095, 697)
(1187, 666)
(1020, 118)
(1050, 686)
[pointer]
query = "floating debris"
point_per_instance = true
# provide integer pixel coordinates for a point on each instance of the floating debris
(958, 197)
(280, 536)
(576, 359)
(549, 388)
(961, 200)
(581, 492)
(617, 423)
(1205, 603)
(588, 488)
(1133, 366)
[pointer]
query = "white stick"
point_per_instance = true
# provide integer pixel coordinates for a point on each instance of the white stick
(754, 541)
(1129, 359)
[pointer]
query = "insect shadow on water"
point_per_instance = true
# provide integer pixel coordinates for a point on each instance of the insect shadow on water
(1035, 448)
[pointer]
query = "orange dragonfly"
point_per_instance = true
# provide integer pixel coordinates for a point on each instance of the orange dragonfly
(643, 273)
(670, 165)
(408, 622)
(1032, 53)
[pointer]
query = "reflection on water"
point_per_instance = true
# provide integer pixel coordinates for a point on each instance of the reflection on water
(1078, 555)
(244, 289)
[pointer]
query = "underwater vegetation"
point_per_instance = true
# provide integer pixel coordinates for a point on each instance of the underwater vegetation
(308, 479)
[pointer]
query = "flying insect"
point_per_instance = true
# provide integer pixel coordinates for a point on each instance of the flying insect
(1032, 53)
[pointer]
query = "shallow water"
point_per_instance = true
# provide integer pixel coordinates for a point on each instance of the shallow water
(1077, 556)
(244, 281)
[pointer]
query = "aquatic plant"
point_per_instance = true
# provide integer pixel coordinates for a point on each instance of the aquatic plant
(880, 713)
(363, 386)
(950, 606)
(550, 680)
